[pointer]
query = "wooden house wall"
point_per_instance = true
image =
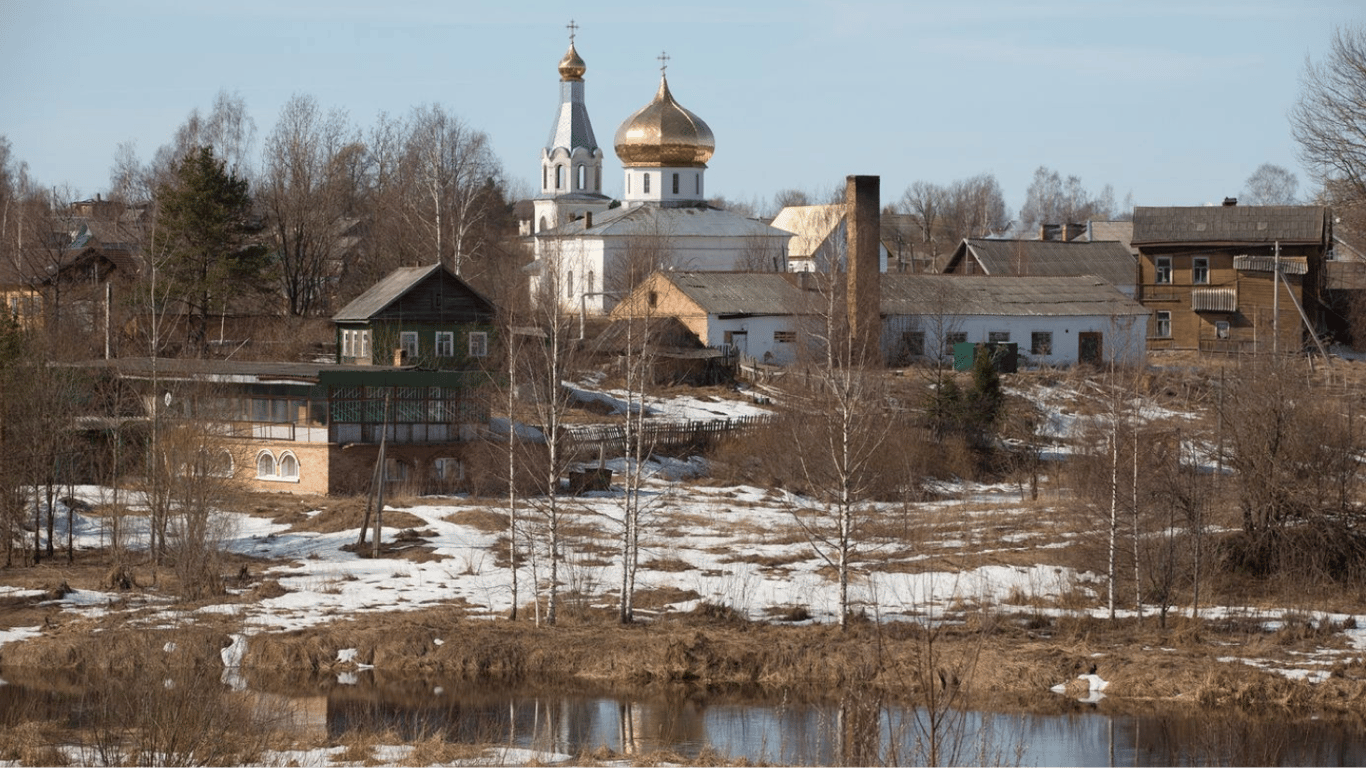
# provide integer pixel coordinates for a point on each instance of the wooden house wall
(1250, 327)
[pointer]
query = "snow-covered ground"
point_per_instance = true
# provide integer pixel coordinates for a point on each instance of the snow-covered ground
(736, 546)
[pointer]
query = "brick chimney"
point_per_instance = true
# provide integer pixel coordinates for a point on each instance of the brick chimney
(864, 290)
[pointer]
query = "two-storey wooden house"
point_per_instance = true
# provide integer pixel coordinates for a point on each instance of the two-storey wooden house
(419, 316)
(1209, 275)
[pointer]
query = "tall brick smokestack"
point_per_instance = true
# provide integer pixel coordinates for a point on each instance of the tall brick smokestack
(863, 222)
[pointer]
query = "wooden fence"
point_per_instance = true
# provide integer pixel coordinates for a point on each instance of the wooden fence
(664, 437)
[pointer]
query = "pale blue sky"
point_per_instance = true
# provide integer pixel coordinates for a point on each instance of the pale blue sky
(1176, 102)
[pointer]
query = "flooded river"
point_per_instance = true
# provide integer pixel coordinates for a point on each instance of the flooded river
(780, 727)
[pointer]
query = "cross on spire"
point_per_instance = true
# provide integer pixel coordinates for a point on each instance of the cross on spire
(572, 27)
(663, 62)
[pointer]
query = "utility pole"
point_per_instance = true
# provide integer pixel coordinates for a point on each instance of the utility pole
(1276, 300)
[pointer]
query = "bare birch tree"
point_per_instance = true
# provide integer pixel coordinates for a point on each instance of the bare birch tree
(304, 190)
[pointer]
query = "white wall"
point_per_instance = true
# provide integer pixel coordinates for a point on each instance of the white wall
(1123, 338)
(759, 332)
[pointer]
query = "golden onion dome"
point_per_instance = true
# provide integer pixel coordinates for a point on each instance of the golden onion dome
(572, 66)
(664, 134)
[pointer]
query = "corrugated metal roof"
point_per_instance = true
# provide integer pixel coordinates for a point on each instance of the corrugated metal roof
(912, 294)
(739, 293)
(1230, 224)
(1268, 264)
(661, 221)
(384, 293)
(1110, 261)
(770, 293)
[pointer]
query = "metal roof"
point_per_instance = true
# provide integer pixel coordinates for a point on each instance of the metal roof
(773, 293)
(739, 293)
(1062, 296)
(1230, 224)
(650, 220)
(384, 293)
(1108, 260)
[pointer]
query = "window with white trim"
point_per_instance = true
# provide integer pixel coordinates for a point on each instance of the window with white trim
(348, 344)
(1200, 270)
(288, 467)
(1163, 276)
(998, 337)
(445, 344)
(364, 343)
(1164, 324)
(448, 470)
(265, 466)
(1221, 329)
(479, 344)
(407, 341)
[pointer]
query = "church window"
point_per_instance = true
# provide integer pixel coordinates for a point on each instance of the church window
(628, 182)
(545, 178)
(645, 183)
(675, 183)
(583, 177)
(588, 282)
(597, 179)
(559, 177)
(543, 225)
(697, 182)
(569, 284)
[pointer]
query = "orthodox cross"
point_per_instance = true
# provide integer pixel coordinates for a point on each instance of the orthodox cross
(572, 27)
(663, 62)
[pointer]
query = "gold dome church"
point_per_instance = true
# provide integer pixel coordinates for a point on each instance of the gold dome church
(591, 250)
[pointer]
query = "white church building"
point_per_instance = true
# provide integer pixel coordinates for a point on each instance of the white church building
(590, 251)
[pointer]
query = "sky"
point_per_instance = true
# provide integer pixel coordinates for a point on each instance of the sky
(1172, 102)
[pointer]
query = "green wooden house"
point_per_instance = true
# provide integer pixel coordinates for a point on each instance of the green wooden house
(416, 316)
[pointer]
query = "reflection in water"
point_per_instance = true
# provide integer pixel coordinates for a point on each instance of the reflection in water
(783, 727)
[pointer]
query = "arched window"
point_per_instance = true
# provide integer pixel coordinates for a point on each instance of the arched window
(597, 179)
(545, 178)
(697, 177)
(569, 284)
(543, 225)
(289, 467)
(559, 177)
(265, 465)
(583, 176)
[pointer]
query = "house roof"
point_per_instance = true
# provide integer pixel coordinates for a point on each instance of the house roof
(772, 293)
(655, 220)
(810, 225)
(1230, 224)
(388, 290)
(1030, 296)
(738, 293)
(1110, 261)
(1107, 231)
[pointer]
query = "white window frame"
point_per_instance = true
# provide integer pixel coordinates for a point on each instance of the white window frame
(407, 341)
(448, 469)
(445, 343)
(1200, 270)
(1222, 329)
(1164, 324)
(1163, 270)
(478, 344)
(364, 342)
(279, 467)
(998, 337)
(348, 344)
